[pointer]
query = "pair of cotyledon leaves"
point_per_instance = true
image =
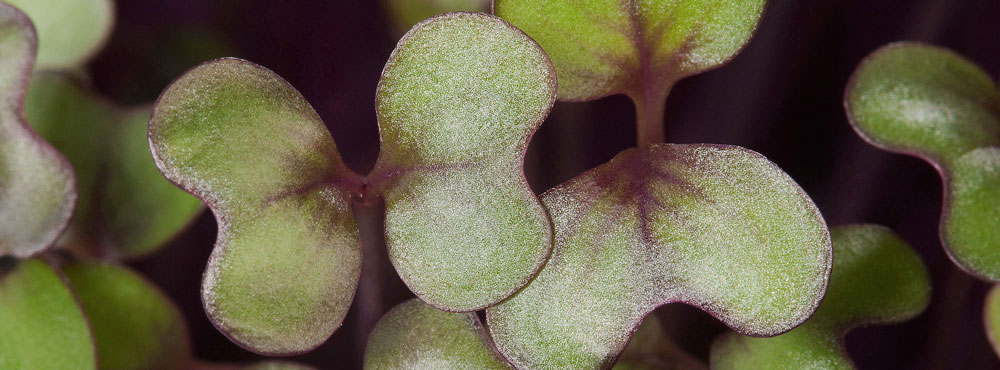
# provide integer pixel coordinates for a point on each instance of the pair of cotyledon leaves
(123, 207)
(716, 226)
(877, 278)
(936, 105)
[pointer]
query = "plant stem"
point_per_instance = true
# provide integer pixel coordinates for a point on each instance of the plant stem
(369, 302)
(649, 109)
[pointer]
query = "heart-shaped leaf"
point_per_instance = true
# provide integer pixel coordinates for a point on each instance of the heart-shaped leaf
(404, 14)
(70, 31)
(637, 48)
(135, 326)
(125, 207)
(286, 262)
(718, 227)
(651, 349)
(414, 335)
(934, 104)
(37, 190)
(877, 279)
(458, 101)
(42, 324)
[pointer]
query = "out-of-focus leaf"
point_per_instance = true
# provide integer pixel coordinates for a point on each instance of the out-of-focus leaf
(69, 31)
(42, 324)
(651, 349)
(286, 262)
(931, 103)
(991, 318)
(414, 335)
(125, 208)
(404, 14)
(278, 365)
(135, 325)
(37, 190)
(718, 227)
(458, 101)
(877, 279)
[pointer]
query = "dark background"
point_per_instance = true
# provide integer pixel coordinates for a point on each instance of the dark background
(782, 97)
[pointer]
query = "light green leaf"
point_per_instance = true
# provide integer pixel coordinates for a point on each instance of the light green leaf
(931, 103)
(414, 335)
(404, 14)
(877, 279)
(135, 325)
(991, 318)
(126, 208)
(458, 101)
(639, 48)
(37, 190)
(69, 31)
(287, 259)
(718, 227)
(42, 324)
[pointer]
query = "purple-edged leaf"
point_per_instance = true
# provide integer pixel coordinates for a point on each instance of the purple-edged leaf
(37, 190)
(458, 100)
(877, 279)
(125, 208)
(404, 14)
(136, 327)
(42, 324)
(287, 258)
(414, 335)
(70, 31)
(651, 349)
(932, 103)
(718, 227)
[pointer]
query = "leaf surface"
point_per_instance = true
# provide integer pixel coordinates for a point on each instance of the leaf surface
(37, 189)
(877, 279)
(43, 325)
(991, 318)
(458, 101)
(934, 104)
(639, 48)
(718, 227)
(69, 31)
(287, 258)
(135, 325)
(414, 335)
(651, 349)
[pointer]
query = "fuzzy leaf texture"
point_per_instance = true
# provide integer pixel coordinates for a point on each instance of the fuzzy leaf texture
(135, 326)
(414, 335)
(639, 48)
(718, 227)
(459, 99)
(70, 31)
(877, 279)
(287, 258)
(42, 323)
(37, 188)
(125, 207)
(934, 104)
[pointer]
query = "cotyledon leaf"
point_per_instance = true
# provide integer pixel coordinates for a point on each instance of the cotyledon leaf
(69, 31)
(287, 258)
(934, 104)
(458, 100)
(414, 335)
(43, 325)
(877, 279)
(718, 227)
(125, 208)
(991, 318)
(407, 13)
(135, 326)
(37, 188)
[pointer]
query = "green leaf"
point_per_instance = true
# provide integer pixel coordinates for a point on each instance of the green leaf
(991, 318)
(135, 325)
(42, 324)
(286, 262)
(69, 31)
(931, 103)
(651, 349)
(404, 14)
(126, 208)
(37, 189)
(718, 227)
(458, 101)
(638, 48)
(877, 279)
(414, 335)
